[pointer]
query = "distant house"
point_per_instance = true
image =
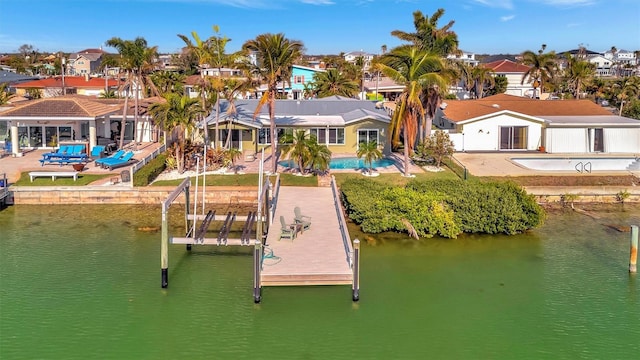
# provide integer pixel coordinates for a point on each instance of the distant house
(54, 86)
(301, 76)
(603, 65)
(353, 56)
(85, 62)
(338, 122)
(464, 56)
(509, 123)
(513, 71)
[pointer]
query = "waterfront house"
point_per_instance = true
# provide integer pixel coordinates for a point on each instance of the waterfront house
(513, 71)
(58, 85)
(510, 123)
(46, 123)
(338, 122)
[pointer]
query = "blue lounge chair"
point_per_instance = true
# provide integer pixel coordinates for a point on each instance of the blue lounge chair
(116, 155)
(116, 163)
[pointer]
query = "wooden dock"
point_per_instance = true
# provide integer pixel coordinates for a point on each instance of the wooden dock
(320, 255)
(4, 189)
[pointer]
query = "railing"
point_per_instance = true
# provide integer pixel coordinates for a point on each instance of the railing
(583, 167)
(346, 240)
(274, 197)
(457, 167)
(137, 166)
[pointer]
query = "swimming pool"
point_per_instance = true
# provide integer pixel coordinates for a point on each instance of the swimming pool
(579, 164)
(347, 163)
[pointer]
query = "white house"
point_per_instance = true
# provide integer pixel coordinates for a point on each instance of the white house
(464, 56)
(509, 123)
(354, 55)
(603, 65)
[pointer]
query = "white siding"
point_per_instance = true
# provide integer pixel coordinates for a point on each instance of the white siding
(621, 140)
(566, 140)
(484, 135)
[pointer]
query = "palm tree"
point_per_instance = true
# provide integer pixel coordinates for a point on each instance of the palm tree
(177, 113)
(5, 96)
(296, 147)
(481, 76)
(320, 155)
(542, 68)
(428, 36)
(231, 88)
(441, 41)
(578, 73)
(332, 82)
(416, 70)
(137, 59)
(370, 151)
(168, 81)
(275, 56)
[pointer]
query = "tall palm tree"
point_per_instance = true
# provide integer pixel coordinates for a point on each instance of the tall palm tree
(578, 73)
(438, 40)
(428, 36)
(319, 155)
(231, 88)
(136, 59)
(482, 75)
(177, 113)
(332, 82)
(416, 70)
(542, 68)
(275, 56)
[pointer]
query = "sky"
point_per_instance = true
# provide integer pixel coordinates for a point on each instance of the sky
(324, 26)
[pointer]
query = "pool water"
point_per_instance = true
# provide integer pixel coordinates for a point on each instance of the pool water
(347, 163)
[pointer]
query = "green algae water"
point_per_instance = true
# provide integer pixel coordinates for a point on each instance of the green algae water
(83, 282)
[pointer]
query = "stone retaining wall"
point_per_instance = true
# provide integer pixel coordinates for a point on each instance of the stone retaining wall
(586, 194)
(47, 195)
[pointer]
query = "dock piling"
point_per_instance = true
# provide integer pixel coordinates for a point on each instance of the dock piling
(356, 270)
(633, 256)
(257, 263)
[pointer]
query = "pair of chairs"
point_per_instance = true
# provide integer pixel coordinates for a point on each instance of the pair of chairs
(301, 222)
(116, 160)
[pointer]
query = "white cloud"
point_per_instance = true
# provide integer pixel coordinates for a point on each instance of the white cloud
(503, 4)
(507, 18)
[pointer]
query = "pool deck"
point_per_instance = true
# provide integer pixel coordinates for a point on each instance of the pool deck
(500, 164)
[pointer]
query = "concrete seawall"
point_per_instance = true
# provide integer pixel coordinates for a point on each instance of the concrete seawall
(47, 195)
(586, 194)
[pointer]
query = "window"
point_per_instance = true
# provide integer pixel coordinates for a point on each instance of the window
(281, 132)
(365, 135)
(264, 137)
(298, 79)
(328, 136)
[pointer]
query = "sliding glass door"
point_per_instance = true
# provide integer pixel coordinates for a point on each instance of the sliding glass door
(513, 137)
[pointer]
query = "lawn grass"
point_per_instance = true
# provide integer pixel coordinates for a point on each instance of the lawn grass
(83, 179)
(397, 179)
(243, 180)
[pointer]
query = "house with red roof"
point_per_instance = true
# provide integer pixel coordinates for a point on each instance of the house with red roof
(512, 123)
(513, 71)
(59, 85)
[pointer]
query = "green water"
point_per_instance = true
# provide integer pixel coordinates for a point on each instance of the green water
(81, 282)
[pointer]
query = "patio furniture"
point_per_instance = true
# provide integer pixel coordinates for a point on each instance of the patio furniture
(303, 220)
(53, 174)
(97, 152)
(287, 231)
(118, 154)
(125, 160)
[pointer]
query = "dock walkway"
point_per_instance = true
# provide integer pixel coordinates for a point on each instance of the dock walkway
(317, 256)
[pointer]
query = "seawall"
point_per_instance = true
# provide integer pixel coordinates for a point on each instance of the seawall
(47, 195)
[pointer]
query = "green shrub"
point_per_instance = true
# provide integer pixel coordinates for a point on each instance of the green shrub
(150, 171)
(441, 207)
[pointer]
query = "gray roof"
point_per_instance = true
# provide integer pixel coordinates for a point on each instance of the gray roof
(329, 111)
(596, 120)
(13, 78)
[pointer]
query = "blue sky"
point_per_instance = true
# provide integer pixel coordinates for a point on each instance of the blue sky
(324, 26)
